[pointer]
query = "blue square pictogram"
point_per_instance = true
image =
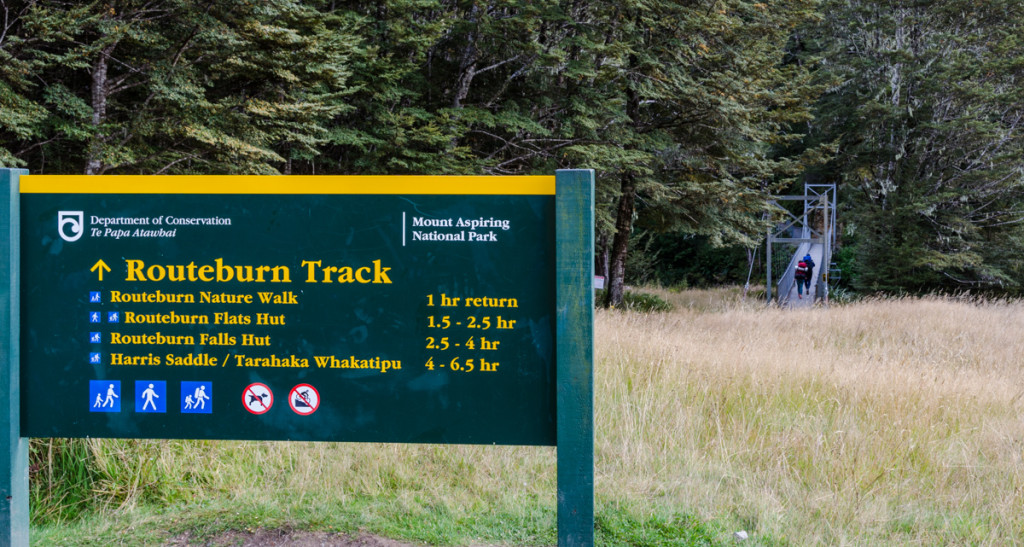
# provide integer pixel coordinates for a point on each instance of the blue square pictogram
(95, 338)
(150, 396)
(94, 357)
(113, 317)
(104, 396)
(197, 397)
(94, 297)
(94, 317)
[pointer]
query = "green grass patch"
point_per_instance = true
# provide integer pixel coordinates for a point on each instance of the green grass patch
(426, 523)
(620, 527)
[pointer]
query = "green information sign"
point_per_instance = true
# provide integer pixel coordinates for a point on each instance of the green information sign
(239, 308)
(381, 309)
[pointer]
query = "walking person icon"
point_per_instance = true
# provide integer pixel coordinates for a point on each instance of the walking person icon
(195, 396)
(201, 397)
(111, 395)
(104, 396)
(150, 396)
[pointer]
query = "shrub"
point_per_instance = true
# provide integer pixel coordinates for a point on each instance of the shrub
(638, 301)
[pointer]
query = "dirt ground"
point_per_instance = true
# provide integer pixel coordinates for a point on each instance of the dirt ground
(287, 538)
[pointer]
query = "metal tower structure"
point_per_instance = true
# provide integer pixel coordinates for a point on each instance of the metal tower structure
(812, 232)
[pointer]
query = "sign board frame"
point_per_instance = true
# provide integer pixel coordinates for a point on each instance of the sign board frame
(573, 313)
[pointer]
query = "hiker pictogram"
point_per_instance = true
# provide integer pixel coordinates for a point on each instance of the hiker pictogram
(150, 396)
(105, 395)
(197, 397)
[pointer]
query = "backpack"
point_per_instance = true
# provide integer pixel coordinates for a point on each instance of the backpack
(801, 270)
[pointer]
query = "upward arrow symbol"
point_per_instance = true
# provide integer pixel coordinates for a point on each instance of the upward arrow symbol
(99, 267)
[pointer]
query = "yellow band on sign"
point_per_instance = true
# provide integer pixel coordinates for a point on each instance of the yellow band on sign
(301, 184)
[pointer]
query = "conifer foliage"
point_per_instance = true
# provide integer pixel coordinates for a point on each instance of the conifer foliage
(692, 113)
(929, 114)
(169, 86)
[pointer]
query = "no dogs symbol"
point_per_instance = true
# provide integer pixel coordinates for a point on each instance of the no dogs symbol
(257, 398)
(304, 399)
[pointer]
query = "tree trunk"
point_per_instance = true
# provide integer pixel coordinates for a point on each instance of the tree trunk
(620, 243)
(94, 162)
(467, 65)
(601, 259)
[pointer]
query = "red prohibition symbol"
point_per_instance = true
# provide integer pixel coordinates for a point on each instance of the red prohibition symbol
(257, 398)
(304, 399)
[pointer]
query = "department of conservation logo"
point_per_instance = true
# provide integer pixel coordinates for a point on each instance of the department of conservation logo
(70, 225)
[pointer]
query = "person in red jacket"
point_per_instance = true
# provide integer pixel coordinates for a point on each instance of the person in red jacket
(800, 275)
(810, 272)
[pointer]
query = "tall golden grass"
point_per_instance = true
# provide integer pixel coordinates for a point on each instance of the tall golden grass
(880, 422)
(884, 422)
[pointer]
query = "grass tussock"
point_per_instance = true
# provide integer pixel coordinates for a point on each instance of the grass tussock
(882, 422)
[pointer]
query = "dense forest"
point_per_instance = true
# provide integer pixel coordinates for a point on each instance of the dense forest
(692, 113)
